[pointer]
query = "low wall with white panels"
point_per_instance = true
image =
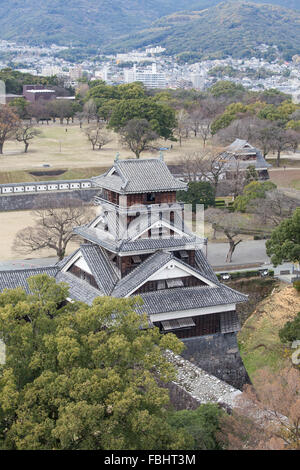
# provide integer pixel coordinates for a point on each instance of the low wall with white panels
(28, 196)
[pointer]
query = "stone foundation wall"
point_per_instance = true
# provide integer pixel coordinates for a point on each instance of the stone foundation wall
(19, 202)
(218, 355)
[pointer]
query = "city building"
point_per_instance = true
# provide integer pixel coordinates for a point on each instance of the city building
(151, 78)
(34, 93)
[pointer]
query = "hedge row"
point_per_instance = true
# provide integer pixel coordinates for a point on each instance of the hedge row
(240, 274)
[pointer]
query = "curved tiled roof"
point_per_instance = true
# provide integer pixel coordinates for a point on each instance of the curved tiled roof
(139, 176)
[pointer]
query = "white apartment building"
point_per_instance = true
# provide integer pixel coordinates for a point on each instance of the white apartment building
(149, 77)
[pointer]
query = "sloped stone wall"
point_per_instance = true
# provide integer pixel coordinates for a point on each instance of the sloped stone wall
(194, 386)
(218, 355)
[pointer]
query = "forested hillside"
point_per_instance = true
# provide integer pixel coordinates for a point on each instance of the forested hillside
(230, 28)
(103, 22)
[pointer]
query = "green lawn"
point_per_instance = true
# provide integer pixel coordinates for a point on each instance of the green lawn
(21, 176)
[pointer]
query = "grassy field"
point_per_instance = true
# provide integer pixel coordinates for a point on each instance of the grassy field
(71, 153)
(259, 341)
(71, 150)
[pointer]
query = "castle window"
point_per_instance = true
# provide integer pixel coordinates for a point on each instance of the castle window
(171, 283)
(161, 285)
(169, 325)
(150, 197)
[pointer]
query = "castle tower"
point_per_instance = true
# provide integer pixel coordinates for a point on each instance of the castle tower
(139, 245)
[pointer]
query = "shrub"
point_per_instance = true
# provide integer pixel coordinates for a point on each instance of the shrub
(291, 330)
(296, 284)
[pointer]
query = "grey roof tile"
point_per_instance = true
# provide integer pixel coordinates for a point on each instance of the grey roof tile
(18, 278)
(79, 289)
(204, 267)
(141, 273)
(139, 176)
(187, 298)
(101, 267)
(141, 244)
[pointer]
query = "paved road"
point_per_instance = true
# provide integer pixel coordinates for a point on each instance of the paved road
(27, 263)
(247, 252)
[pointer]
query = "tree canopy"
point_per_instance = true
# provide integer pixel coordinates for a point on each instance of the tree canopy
(83, 377)
(253, 190)
(284, 244)
(199, 192)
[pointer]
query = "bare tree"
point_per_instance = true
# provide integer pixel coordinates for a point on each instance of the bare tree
(98, 136)
(274, 208)
(183, 125)
(231, 224)
(42, 111)
(9, 122)
(206, 165)
(283, 139)
(195, 118)
(25, 134)
(53, 228)
(205, 129)
(90, 110)
(189, 166)
(137, 135)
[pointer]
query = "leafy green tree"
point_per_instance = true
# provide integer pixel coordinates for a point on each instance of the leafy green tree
(253, 190)
(291, 330)
(82, 377)
(227, 88)
(199, 192)
(161, 117)
(20, 107)
(284, 244)
(202, 425)
(137, 135)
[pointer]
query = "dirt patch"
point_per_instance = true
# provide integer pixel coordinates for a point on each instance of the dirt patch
(286, 178)
(10, 224)
(257, 289)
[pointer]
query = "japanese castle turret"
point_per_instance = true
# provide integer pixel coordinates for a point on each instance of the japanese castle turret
(140, 244)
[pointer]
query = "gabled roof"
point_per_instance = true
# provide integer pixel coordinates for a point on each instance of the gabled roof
(78, 289)
(141, 244)
(141, 273)
(139, 176)
(232, 160)
(154, 263)
(100, 266)
(189, 298)
(18, 277)
(241, 146)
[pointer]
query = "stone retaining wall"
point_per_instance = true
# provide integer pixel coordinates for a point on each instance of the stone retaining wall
(18, 202)
(194, 387)
(218, 355)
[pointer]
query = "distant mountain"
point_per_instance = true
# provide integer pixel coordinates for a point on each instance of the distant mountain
(88, 22)
(99, 22)
(230, 28)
